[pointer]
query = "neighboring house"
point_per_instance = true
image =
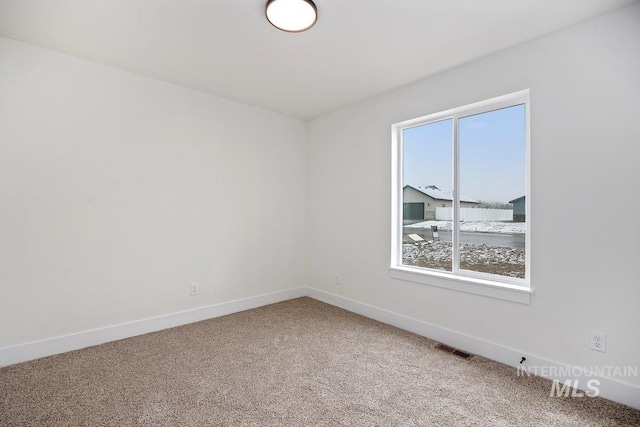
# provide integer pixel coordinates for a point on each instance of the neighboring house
(419, 203)
(518, 209)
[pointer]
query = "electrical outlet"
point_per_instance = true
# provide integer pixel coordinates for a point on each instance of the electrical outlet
(598, 341)
(194, 288)
(337, 280)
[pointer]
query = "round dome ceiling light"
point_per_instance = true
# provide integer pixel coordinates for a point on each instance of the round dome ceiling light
(293, 16)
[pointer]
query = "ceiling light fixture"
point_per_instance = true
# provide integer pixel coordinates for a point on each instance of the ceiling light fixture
(292, 16)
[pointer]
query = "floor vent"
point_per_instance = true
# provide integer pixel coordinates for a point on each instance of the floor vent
(451, 350)
(462, 354)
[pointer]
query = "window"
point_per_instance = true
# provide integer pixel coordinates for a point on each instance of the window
(474, 162)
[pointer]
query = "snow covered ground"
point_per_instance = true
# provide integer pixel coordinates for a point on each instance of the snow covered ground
(477, 226)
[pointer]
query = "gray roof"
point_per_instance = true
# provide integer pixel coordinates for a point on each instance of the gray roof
(435, 193)
(515, 200)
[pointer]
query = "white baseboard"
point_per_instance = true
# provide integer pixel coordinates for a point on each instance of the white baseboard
(612, 389)
(48, 347)
(615, 390)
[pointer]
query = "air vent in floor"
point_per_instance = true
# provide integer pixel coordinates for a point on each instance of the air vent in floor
(459, 353)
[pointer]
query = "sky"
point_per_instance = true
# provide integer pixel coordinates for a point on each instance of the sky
(492, 155)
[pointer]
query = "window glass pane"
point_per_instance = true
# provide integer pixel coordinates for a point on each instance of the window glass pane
(427, 178)
(492, 192)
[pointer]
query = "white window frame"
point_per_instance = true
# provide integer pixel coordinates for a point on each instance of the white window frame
(507, 288)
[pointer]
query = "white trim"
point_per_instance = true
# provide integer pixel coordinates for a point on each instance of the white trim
(615, 390)
(455, 203)
(612, 389)
(496, 103)
(396, 195)
(513, 289)
(472, 285)
(48, 347)
(527, 195)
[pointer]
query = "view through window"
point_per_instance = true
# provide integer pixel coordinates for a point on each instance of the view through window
(464, 192)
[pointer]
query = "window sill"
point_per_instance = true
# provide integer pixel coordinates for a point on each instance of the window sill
(505, 291)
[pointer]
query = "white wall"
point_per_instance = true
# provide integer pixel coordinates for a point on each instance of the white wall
(585, 91)
(117, 191)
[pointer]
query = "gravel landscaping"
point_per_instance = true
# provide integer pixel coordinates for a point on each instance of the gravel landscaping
(482, 258)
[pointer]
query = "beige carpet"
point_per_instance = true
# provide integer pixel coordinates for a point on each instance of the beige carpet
(296, 363)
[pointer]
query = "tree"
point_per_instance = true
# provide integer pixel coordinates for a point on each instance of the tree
(492, 204)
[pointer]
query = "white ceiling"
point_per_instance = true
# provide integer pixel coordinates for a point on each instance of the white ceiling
(357, 49)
